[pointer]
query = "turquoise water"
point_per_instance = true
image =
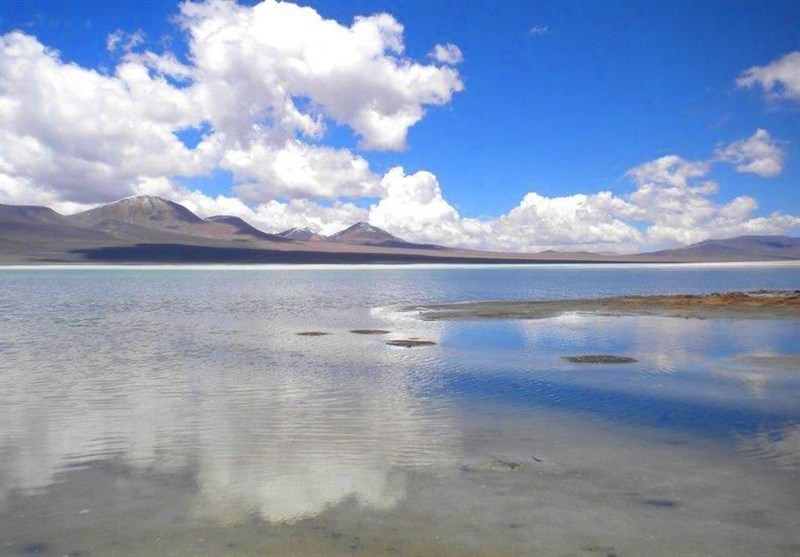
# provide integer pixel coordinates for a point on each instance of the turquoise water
(176, 412)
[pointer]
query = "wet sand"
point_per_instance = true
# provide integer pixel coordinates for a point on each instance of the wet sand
(738, 305)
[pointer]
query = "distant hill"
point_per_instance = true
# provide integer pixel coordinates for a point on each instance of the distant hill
(741, 248)
(236, 226)
(154, 213)
(151, 229)
(41, 234)
(30, 214)
(364, 234)
(143, 210)
(302, 235)
(32, 224)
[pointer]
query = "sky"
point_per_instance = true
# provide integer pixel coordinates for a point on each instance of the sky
(521, 126)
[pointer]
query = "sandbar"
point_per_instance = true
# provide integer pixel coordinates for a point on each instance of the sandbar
(760, 304)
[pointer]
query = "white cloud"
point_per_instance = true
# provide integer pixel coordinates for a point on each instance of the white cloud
(85, 135)
(678, 208)
(119, 40)
(163, 64)
(299, 170)
(256, 64)
(113, 40)
(270, 216)
(671, 169)
(757, 154)
(538, 30)
(19, 190)
(413, 207)
(260, 81)
(780, 79)
(672, 205)
(276, 216)
(447, 54)
(260, 78)
(571, 222)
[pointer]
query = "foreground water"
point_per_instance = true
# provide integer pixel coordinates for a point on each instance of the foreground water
(176, 412)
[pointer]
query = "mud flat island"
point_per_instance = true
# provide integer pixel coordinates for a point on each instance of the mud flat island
(738, 305)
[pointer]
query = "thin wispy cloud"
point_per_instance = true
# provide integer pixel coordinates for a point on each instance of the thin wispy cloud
(125, 42)
(538, 30)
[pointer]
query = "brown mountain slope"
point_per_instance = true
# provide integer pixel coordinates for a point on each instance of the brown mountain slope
(302, 235)
(151, 229)
(239, 229)
(740, 248)
(155, 213)
(364, 234)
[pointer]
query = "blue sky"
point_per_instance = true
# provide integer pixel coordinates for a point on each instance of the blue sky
(600, 88)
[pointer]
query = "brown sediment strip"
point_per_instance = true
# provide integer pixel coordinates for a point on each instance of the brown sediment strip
(370, 331)
(410, 343)
(312, 333)
(741, 305)
(599, 359)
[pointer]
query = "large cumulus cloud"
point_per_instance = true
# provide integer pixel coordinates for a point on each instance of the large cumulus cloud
(259, 88)
(261, 82)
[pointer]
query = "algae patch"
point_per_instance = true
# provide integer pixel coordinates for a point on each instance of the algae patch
(410, 343)
(600, 359)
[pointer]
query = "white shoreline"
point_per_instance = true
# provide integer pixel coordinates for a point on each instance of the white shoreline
(397, 266)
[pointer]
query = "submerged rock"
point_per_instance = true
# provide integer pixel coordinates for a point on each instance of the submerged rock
(493, 464)
(600, 359)
(370, 331)
(663, 503)
(312, 333)
(410, 343)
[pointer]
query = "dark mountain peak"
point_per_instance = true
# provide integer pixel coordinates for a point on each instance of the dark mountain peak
(365, 234)
(302, 234)
(365, 227)
(147, 201)
(155, 205)
(157, 213)
(146, 210)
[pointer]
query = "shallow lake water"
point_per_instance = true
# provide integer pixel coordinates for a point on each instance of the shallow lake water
(175, 411)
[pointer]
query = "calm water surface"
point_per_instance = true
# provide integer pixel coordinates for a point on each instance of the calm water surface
(174, 411)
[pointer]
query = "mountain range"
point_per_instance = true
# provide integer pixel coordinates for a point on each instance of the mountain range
(149, 229)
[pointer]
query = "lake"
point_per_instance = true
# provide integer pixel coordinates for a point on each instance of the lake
(175, 411)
